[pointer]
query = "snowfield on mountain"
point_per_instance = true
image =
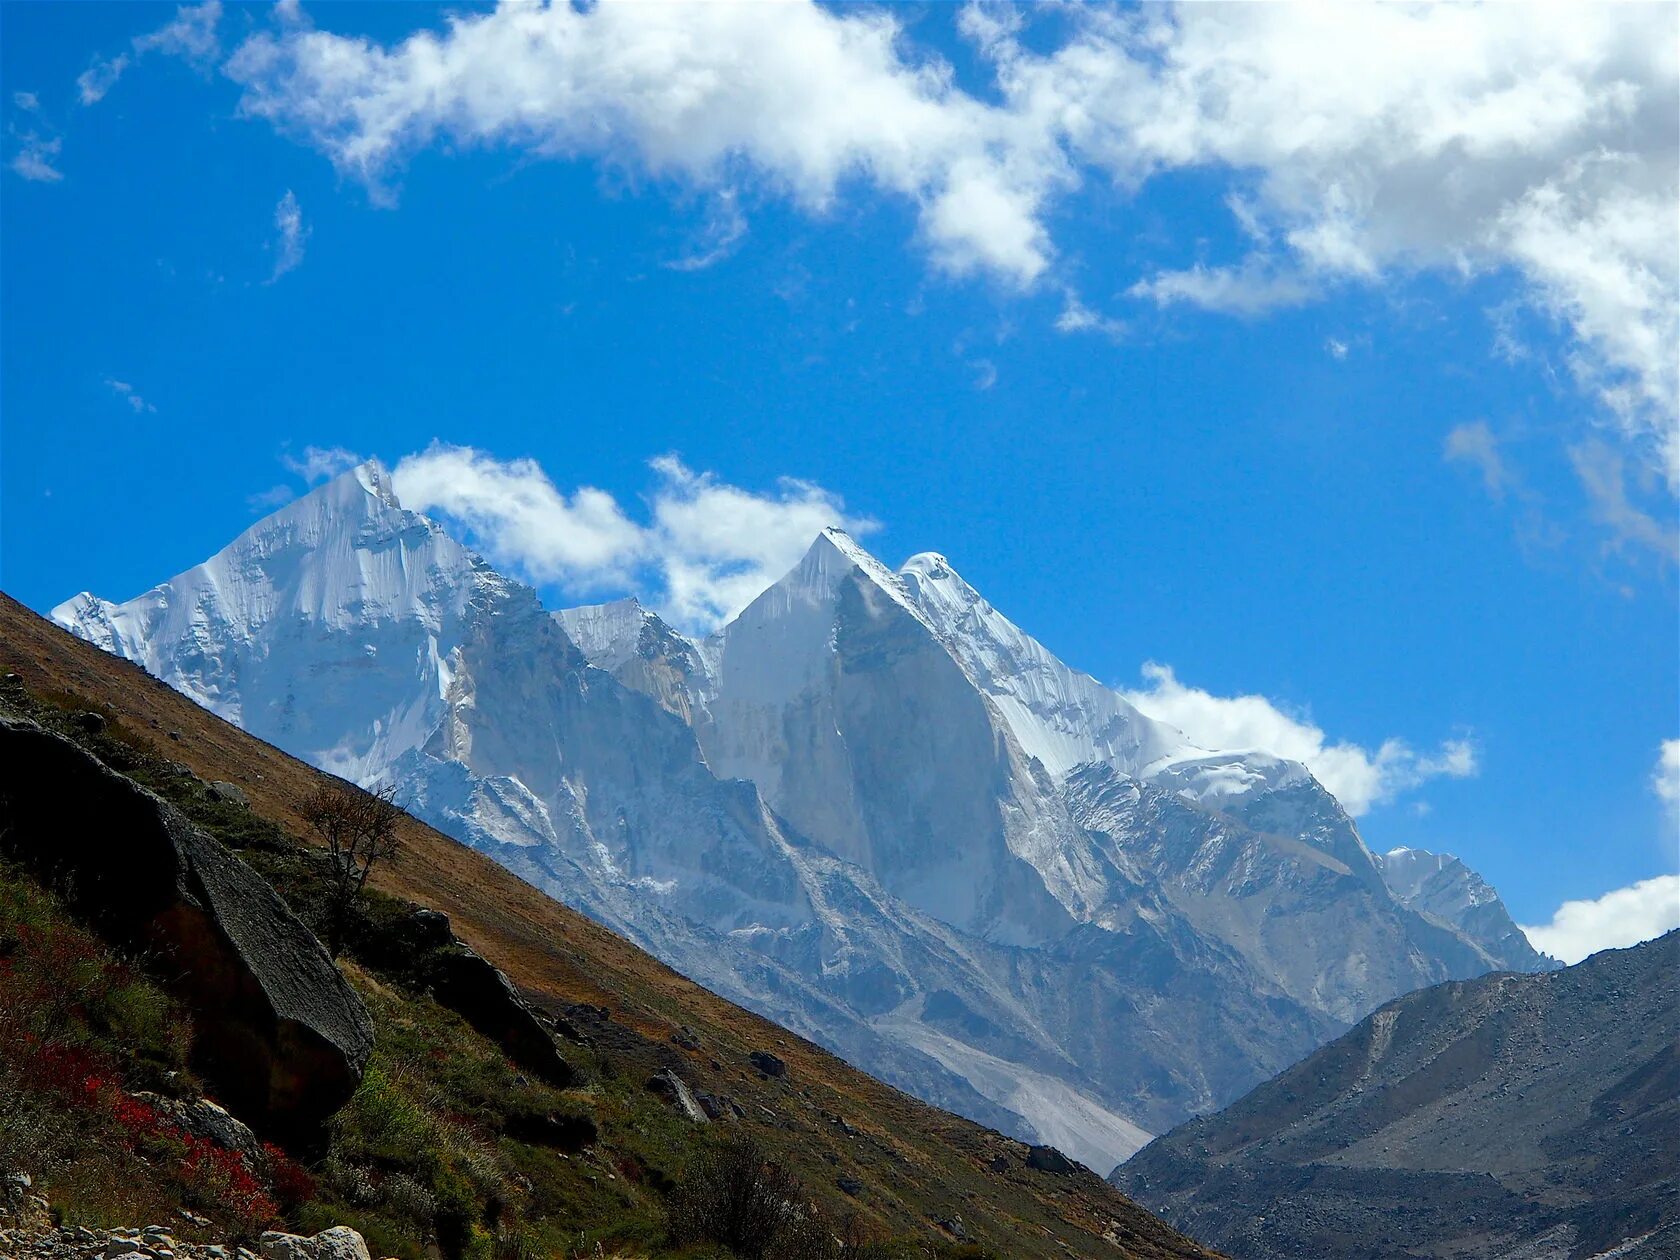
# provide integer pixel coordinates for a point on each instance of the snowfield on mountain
(870, 807)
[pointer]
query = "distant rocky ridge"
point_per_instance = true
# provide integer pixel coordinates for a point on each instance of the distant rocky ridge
(870, 808)
(1510, 1118)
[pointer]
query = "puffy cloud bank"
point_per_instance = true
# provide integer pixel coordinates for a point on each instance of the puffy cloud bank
(1361, 143)
(1356, 776)
(705, 551)
(1616, 920)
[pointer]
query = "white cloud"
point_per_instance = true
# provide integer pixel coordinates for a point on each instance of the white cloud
(515, 512)
(1665, 779)
(804, 97)
(724, 229)
(719, 546)
(190, 34)
(1255, 287)
(268, 500)
(320, 463)
(1335, 347)
(705, 551)
(26, 101)
(1356, 776)
(1616, 920)
(35, 157)
(1474, 443)
(1077, 317)
(126, 391)
(1376, 140)
(291, 234)
(99, 78)
(1604, 476)
(1358, 144)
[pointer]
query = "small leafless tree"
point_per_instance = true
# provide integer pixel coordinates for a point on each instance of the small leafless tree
(358, 828)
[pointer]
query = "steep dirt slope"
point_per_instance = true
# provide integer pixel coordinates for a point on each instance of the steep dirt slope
(1534, 1117)
(917, 1166)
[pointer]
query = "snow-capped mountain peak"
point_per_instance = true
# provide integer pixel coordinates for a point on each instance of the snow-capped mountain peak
(871, 807)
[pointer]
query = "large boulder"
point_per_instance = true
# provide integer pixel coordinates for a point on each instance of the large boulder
(486, 999)
(279, 1033)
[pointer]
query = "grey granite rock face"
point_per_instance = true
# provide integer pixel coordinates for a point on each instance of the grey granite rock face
(286, 1038)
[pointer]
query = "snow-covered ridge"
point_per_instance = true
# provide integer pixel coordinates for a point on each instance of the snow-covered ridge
(870, 807)
(1066, 718)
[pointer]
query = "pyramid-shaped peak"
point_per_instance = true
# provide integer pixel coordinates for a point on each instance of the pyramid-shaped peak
(834, 555)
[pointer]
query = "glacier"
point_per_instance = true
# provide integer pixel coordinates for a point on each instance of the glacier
(869, 807)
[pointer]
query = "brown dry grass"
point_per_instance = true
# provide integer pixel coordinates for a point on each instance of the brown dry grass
(916, 1161)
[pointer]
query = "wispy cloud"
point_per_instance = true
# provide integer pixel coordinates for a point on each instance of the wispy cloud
(267, 500)
(725, 228)
(35, 157)
(100, 77)
(1255, 287)
(127, 392)
(191, 35)
(291, 234)
(1604, 475)
(1076, 317)
(320, 463)
(1475, 444)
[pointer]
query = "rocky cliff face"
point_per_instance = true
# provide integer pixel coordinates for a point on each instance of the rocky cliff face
(870, 808)
(1532, 1116)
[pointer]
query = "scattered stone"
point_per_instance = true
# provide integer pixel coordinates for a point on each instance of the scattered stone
(205, 1119)
(232, 793)
(90, 722)
(1049, 1159)
(767, 1063)
(686, 1038)
(953, 1225)
(720, 1107)
(999, 1164)
(668, 1085)
(849, 1186)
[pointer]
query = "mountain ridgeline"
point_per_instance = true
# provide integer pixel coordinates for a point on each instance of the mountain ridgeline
(869, 807)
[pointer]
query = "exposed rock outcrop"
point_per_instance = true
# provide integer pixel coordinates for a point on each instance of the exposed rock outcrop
(669, 1086)
(487, 1000)
(286, 1038)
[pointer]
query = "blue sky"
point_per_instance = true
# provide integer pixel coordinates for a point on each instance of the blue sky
(1374, 425)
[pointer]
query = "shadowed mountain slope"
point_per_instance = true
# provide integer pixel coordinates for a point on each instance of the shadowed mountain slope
(1512, 1117)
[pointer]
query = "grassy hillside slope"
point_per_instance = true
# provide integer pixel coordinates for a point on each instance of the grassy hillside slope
(862, 1149)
